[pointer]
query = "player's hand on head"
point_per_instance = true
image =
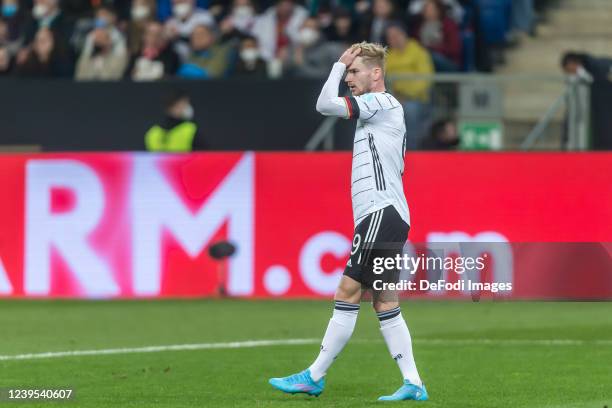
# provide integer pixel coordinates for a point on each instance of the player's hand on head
(349, 55)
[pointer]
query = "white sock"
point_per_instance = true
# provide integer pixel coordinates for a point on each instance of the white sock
(338, 333)
(399, 343)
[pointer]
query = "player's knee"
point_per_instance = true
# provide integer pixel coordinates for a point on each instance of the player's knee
(347, 296)
(384, 305)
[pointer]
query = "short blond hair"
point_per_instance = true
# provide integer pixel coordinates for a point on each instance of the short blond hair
(372, 54)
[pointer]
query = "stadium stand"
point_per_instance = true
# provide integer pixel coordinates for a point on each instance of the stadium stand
(167, 40)
(80, 28)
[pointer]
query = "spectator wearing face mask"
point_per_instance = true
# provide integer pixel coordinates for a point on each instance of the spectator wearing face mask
(312, 55)
(156, 59)
(141, 14)
(12, 19)
(249, 63)
(164, 7)
(45, 59)
(239, 21)
(185, 18)
(104, 56)
(177, 132)
(207, 58)
(103, 16)
(106, 17)
(47, 13)
(440, 35)
(9, 9)
(278, 27)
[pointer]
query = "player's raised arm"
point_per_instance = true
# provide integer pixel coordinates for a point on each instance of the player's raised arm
(329, 104)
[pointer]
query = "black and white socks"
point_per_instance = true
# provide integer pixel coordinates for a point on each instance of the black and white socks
(338, 333)
(396, 334)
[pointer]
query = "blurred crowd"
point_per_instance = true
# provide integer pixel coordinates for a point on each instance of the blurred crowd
(147, 40)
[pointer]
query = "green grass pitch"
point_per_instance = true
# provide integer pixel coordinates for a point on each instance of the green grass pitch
(487, 354)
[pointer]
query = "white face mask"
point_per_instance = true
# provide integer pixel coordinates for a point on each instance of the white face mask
(40, 10)
(187, 112)
(243, 12)
(308, 36)
(249, 54)
(584, 74)
(140, 12)
(181, 10)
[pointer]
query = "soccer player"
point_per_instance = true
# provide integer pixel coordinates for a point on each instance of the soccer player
(380, 214)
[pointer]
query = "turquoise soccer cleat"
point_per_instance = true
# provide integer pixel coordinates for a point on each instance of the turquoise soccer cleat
(299, 383)
(408, 391)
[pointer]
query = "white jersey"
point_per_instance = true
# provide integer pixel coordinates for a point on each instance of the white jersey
(378, 148)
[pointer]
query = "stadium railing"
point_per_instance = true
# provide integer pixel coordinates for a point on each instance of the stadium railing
(499, 112)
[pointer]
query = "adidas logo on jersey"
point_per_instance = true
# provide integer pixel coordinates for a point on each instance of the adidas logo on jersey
(349, 263)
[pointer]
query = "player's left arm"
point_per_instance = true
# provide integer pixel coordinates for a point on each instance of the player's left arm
(329, 103)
